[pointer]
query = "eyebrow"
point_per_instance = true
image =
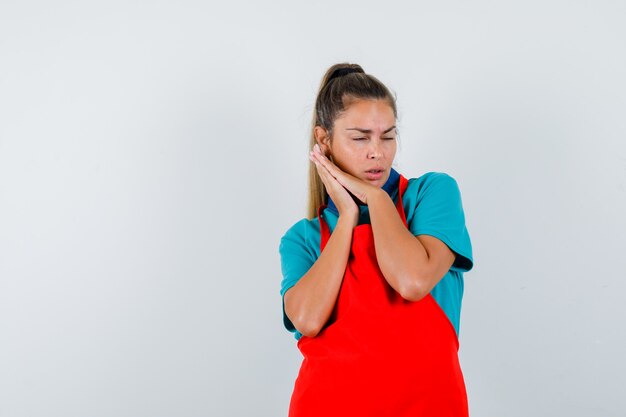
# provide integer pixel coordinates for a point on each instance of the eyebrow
(369, 130)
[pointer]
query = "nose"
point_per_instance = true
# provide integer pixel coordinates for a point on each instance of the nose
(375, 150)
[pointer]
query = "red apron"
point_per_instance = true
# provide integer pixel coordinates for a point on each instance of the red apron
(379, 354)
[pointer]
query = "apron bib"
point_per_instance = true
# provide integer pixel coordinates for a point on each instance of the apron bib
(379, 354)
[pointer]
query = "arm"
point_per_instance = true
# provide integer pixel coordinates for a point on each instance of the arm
(412, 265)
(310, 302)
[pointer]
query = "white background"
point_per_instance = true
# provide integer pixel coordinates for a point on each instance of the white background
(152, 154)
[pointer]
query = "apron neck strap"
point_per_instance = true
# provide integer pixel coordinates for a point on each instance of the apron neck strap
(404, 183)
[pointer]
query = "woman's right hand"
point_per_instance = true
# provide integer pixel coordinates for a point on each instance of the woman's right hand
(346, 205)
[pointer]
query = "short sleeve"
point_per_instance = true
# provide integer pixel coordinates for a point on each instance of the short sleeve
(434, 208)
(297, 255)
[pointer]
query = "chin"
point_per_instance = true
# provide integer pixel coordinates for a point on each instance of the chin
(376, 183)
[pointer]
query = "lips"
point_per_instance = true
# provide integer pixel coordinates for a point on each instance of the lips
(374, 174)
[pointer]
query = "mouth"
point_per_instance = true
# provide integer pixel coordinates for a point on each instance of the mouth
(374, 174)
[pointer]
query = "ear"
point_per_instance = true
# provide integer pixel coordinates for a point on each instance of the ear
(323, 139)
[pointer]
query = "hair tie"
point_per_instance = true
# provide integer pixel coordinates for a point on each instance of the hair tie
(344, 71)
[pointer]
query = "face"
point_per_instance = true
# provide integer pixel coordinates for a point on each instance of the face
(364, 141)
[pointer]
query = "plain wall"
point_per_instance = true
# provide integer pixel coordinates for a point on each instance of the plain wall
(152, 154)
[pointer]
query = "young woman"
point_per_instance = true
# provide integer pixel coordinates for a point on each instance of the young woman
(373, 278)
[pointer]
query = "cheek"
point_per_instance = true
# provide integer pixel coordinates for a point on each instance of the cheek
(391, 149)
(345, 161)
(350, 156)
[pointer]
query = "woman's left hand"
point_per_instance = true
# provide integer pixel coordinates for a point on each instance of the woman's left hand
(357, 187)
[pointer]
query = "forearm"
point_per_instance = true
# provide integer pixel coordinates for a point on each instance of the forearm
(310, 302)
(402, 258)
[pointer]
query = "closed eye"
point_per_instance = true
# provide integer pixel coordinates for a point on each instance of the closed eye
(359, 138)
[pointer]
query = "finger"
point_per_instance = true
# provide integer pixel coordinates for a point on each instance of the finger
(342, 178)
(328, 164)
(340, 175)
(333, 187)
(325, 176)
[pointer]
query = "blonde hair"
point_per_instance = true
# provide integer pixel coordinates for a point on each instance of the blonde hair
(341, 85)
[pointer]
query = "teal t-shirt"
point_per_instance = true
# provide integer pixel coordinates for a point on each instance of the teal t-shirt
(432, 205)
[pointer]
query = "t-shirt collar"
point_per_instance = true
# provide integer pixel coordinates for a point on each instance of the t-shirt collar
(390, 186)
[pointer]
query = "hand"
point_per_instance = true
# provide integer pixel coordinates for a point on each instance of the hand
(341, 197)
(357, 187)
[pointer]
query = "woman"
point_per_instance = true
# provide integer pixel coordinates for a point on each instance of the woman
(373, 279)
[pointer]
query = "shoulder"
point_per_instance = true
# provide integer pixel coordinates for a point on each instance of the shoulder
(433, 207)
(300, 233)
(430, 182)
